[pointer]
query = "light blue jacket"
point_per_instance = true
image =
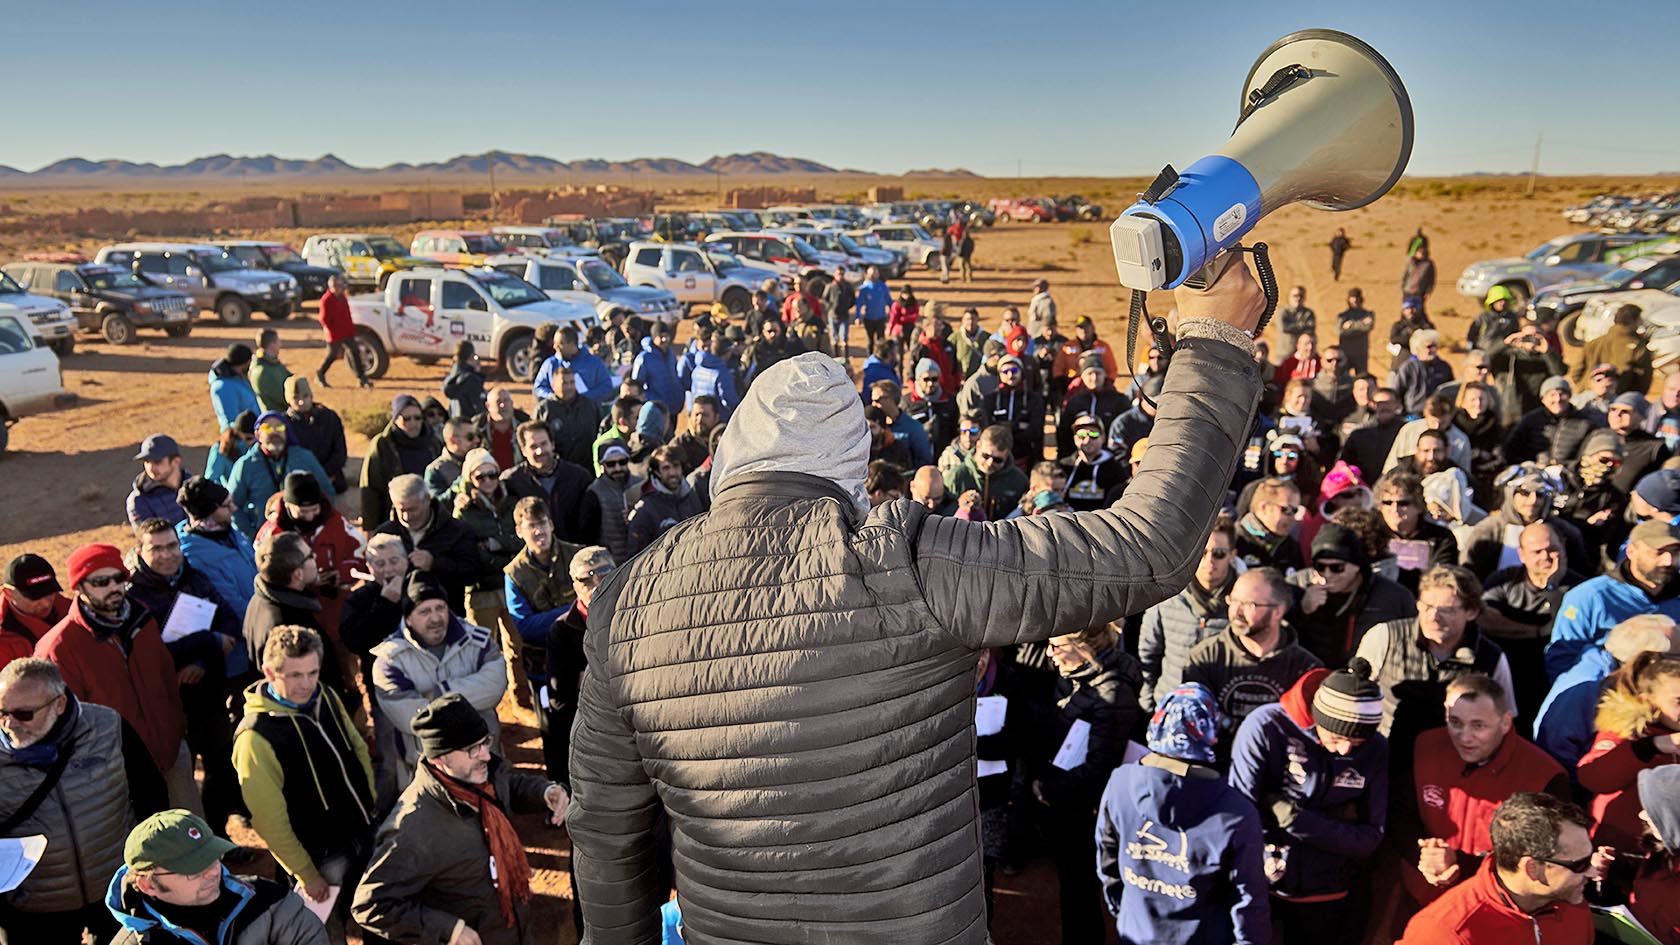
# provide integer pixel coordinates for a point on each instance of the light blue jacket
(231, 394)
(873, 300)
(594, 378)
(1590, 609)
(231, 565)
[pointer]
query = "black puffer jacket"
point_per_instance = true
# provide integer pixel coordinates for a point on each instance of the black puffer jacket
(790, 677)
(1103, 695)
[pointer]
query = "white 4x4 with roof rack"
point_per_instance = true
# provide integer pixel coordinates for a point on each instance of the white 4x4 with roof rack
(696, 275)
(588, 280)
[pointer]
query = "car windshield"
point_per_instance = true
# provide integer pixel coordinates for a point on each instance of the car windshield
(921, 234)
(384, 247)
(1546, 249)
(722, 259)
(616, 229)
(805, 251)
(9, 286)
(251, 257)
(13, 339)
(749, 219)
(283, 256)
(825, 242)
(601, 275)
(103, 279)
(847, 243)
(482, 244)
(869, 239)
(509, 291)
(216, 262)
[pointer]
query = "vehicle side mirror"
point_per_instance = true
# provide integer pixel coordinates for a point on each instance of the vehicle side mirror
(1554, 259)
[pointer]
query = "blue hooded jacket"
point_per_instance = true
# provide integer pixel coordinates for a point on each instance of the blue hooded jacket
(1590, 609)
(139, 919)
(227, 559)
(255, 477)
(710, 374)
(1181, 857)
(150, 499)
(1566, 722)
(231, 394)
(1339, 803)
(594, 378)
(657, 370)
(873, 300)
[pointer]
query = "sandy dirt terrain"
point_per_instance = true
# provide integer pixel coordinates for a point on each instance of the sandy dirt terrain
(66, 474)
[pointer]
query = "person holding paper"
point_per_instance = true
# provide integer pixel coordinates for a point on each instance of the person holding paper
(1180, 852)
(999, 717)
(172, 887)
(203, 636)
(1097, 708)
(1417, 543)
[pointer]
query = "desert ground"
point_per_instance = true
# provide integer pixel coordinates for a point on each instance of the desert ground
(66, 474)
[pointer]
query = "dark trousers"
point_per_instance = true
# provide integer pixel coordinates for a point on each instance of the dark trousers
(873, 332)
(1073, 845)
(555, 724)
(1528, 677)
(57, 928)
(348, 350)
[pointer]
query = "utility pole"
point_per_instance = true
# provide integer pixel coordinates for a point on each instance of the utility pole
(1534, 170)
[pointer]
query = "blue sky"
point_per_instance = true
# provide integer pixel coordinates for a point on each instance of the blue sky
(1054, 88)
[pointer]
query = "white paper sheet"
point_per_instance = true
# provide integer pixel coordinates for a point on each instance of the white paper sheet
(18, 856)
(321, 909)
(986, 768)
(1072, 753)
(989, 712)
(189, 616)
(1409, 554)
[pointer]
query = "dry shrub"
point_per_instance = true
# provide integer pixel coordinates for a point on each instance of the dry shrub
(368, 421)
(1080, 236)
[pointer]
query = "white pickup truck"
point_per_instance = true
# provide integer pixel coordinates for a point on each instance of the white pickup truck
(425, 313)
(31, 380)
(588, 279)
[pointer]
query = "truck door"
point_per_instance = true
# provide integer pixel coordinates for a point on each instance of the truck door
(463, 314)
(415, 327)
(693, 276)
(358, 262)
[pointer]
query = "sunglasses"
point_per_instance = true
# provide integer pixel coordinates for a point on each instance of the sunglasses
(1330, 567)
(969, 430)
(105, 581)
(1083, 434)
(26, 715)
(272, 428)
(1009, 370)
(615, 464)
(409, 417)
(1289, 511)
(1398, 503)
(1573, 866)
(1286, 454)
(486, 477)
(1219, 554)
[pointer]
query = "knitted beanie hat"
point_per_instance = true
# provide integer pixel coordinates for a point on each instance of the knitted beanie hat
(1349, 703)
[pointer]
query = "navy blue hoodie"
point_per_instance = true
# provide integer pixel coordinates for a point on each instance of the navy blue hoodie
(1339, 802)
(1181, 857)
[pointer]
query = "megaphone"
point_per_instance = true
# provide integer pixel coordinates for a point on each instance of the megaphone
(1324, 121)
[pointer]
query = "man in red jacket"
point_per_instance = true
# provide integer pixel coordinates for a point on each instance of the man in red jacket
(339, 329)
(1463, 773)
(30, 603)
(1530, 891)
(111, 652)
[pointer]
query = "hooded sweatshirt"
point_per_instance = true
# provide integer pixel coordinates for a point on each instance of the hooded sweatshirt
(1336, 804)
(1180, 855)
(231, 393)
(1656, 892)
(831, 440)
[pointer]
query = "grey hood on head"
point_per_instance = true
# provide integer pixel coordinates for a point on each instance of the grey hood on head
(803, 415)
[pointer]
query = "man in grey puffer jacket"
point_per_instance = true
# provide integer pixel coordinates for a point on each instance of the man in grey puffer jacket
(790, 677)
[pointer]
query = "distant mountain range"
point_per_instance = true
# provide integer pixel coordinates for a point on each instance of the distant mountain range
(508, 165)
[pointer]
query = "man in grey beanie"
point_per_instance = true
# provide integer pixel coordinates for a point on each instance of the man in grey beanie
(788, 679)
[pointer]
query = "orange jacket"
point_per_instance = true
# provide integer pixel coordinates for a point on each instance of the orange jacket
(1478, 911)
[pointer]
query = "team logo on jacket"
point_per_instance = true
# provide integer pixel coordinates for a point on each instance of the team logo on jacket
(1350, 779)
(1297, 761)
(1147, 846)
(1604, 745)
(1434, 796)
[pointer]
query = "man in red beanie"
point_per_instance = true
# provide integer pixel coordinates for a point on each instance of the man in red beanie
(111, 652)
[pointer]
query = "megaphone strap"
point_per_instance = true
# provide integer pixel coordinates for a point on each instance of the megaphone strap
(1280, 80)
(1162, 339)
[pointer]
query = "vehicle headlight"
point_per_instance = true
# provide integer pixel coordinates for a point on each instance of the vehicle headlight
(143, 308)
(649, 307)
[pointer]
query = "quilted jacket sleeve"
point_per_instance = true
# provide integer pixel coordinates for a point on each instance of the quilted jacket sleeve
(998, 583)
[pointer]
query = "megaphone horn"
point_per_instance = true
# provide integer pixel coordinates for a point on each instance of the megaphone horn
(1323, 120)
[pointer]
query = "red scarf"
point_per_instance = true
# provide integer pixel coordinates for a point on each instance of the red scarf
(509, 869)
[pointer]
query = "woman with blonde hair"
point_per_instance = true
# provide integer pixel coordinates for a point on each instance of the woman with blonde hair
(1638, 727)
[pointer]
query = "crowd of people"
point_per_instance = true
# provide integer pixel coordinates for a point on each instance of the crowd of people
(1424, 682)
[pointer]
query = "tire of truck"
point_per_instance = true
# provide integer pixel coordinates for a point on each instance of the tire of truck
(5, 432)
(737, 300)
(179, 331)
(118, 329)
(63, 347)
(233, 311)
(1568, 329)
(931, 260)
(371, 352)
(515, 357)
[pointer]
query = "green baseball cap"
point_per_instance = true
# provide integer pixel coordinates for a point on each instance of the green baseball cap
(176, 841)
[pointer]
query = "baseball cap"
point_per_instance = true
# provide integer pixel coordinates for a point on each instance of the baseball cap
(31, 576)
(174, 840)
(158, 446)
(1086, 422)
(1654, 534)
